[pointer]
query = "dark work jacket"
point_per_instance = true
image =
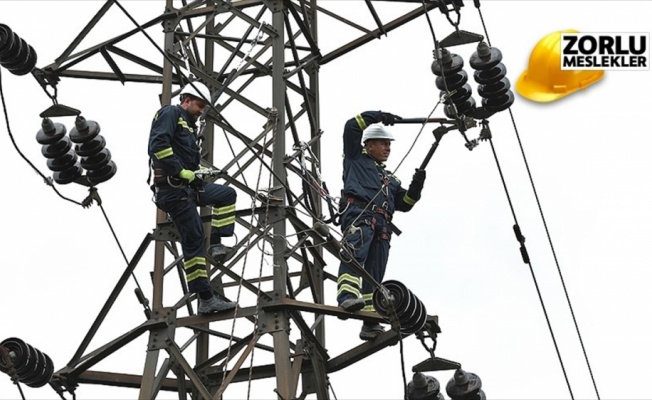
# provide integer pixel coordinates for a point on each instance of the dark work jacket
(364, 177)
(173, 141)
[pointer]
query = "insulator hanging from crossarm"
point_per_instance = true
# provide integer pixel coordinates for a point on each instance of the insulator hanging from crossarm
(490, 74)
(397, 301)
(451, 78)
(31, 366)
(57, 148)
(90, 146)
(15, 54)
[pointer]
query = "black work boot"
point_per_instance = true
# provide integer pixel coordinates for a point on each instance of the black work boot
(352, 304)
(214, 305)
(220, 253)
(371, 331)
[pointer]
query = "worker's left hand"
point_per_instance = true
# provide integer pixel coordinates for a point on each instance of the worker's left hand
(419, 175)
(388, 118)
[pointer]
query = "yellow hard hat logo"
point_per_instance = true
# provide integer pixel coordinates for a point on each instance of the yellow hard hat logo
(544, 80)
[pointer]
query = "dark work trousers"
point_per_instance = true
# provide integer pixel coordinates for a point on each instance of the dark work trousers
(368, 243)
(181, 204)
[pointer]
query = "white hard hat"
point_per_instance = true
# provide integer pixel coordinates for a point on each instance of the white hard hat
(197, 89)
(376, 131)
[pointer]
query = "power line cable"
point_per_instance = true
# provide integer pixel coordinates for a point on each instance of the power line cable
(554, 255)
(527, 261)
(543, 219)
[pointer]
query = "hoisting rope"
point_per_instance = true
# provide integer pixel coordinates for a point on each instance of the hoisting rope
(262, 261)
(273, 121)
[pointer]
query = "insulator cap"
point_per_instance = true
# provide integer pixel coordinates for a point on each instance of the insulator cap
(423, 387)
(463, 385)
(446, 67)
(50, 132)
(84, 130)
(485, 57)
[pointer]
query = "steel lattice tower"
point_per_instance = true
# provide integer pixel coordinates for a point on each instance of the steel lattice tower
(276, 45)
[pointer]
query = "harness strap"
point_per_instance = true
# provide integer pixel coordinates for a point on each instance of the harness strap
(378, 210)
(374, 208)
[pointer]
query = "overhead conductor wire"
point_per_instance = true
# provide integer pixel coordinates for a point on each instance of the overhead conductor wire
(438, 56)
(526, 259)
(545, 225)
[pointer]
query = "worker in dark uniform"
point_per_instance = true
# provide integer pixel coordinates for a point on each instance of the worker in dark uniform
(371, 194)
(175, 156)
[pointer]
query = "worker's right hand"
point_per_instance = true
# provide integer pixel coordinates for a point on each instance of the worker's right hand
(387, 118)
(187, 175)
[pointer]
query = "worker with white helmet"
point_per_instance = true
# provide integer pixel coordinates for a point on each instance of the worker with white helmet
(370, 196)
(175, 155)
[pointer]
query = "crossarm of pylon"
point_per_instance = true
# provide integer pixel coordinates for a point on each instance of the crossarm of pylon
(102, 352)
(84, 54)
(362, 351)
(375, 34)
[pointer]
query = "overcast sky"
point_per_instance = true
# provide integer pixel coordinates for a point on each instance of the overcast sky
(588, 155)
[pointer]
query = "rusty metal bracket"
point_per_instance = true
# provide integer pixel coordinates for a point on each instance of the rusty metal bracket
(160, 338)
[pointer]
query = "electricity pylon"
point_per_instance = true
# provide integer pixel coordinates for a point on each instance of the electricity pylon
(244, 50)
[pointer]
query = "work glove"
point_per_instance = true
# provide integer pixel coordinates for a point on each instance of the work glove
(187, 175)
(416, 186)
(387, 118)
(419, 175)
